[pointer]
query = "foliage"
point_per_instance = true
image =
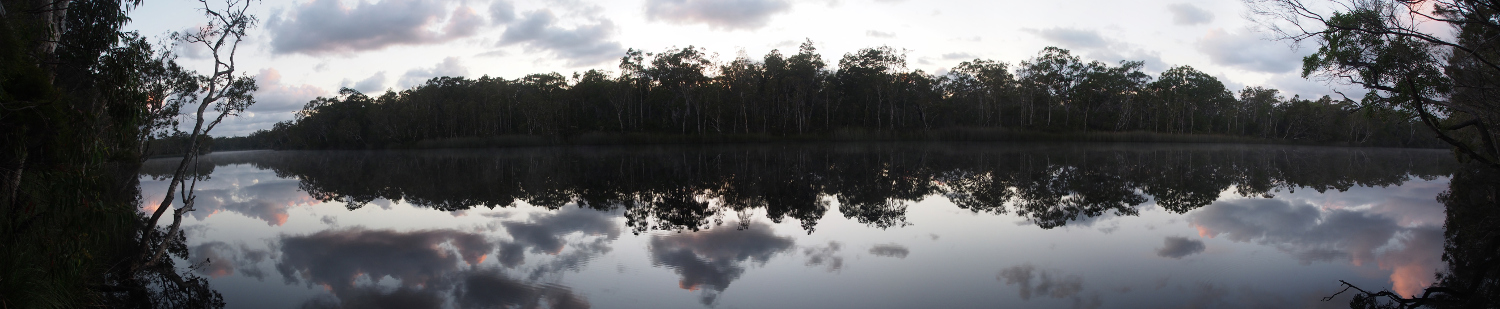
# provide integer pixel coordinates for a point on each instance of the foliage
(81, 104)
(683, 91)
(1409, 69)
(688, 188)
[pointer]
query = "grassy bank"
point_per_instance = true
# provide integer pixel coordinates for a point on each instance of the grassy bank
(943, 135)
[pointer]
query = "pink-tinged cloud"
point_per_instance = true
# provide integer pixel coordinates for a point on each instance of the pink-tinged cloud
(1309, 234)
(329, 27)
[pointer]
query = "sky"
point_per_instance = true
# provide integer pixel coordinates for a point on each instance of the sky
(1281, 252)
(303, 49)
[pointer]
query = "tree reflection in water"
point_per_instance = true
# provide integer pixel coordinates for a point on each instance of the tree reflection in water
(694, 188)
(691, 188)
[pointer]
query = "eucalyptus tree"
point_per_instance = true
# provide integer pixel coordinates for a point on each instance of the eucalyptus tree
(539, 96)
(637, 83)
(1258, 105)
(805, 78)
(1442, 76)
(866, 80)
(983, 84)
(682, 72)
(595, 92)
(744, 85)
(224, 91)
(1049, 78)
(1182, 95)
(1113, 88)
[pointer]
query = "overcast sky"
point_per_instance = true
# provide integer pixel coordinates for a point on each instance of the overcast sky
(307, 48)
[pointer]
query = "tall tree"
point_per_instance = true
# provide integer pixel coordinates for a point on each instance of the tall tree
(224, 90)
(1383, 46)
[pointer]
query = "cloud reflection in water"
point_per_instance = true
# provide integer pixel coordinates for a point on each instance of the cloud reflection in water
(426, 263)
(710, 260)
(1311, 234)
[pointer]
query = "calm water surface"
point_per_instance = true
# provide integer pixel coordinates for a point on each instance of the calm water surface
(837, 226)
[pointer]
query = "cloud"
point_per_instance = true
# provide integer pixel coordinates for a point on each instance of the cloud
(274, 102)
(191, 50)
(825, 255)
(786, 44)
(472, 289)
(717, 14)
(450, 66)
(959, 56)
(711, 259)
(574, 260)
(878, 34)
(511, 254)
(582, 45)
(1413, 264)
(502, 12)
(1047, 283)
(377, 297)
(274, 96)
(493, 289)
(890, 250)
(1073, 38)
(212, 259)
(338, 257)
(1187, 14)
(1248, 51)
(1308, 234)
(1412, 205)
(328, 26)
(1293, 84)
(1179, 247)
(544, 234)
(374, 83)
(266, 197)
(1299, 229)
(433, 268)
(219, 259)
(1095, 46)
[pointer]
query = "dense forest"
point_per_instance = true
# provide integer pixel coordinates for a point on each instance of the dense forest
(683, 91)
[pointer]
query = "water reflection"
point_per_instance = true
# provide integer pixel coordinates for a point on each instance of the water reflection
(230, 258)
(1179, 247)
(1047, 283)
(427, 265)
(1471, 240)
(686, 189)
(1052, 226)
(825, 255)
(1310, 234)
(710, 260)
(237, 189)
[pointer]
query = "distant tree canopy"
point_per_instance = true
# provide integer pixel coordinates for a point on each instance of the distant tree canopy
(683, 91)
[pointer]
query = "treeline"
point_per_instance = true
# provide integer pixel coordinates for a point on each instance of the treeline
(691, 188)
(683, 91)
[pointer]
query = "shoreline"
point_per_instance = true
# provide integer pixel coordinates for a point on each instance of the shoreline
(843, 136)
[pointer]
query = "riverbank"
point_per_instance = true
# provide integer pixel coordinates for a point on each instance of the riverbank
(943, 135)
